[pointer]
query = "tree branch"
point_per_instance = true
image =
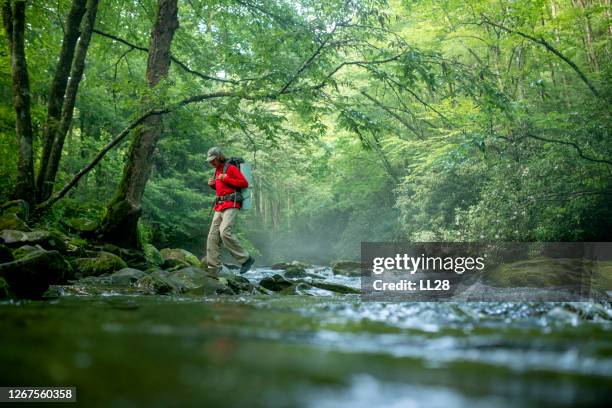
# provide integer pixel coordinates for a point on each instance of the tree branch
(550, 48)
(393, 114)
(572, 144)
(172, 58)
(115, 141)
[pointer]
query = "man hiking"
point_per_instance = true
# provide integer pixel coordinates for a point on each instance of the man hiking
(227, 181)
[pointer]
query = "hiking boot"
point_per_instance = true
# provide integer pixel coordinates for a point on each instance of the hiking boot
(247, 265)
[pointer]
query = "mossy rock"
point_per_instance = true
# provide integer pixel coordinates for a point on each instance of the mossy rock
(18, 207)
(26, 250)
(12, 222)
(197, 281)
(334, 287)
(239, 284)
(46, 239)
(156, 283)
(275, 283)
(294, 272)
(30, 277)
(299, 288)
(289, 265)
(104, 262)
(346, 268)
(152, 255)
(172, 255)
(80, 224)
(545, 272)
(126, 276)
(134, 258)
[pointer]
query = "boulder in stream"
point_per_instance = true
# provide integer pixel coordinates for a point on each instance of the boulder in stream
(30, 276)
(102, 262)
(334, 287)
(346, 268)
(177, 256)
(275, 283)
(126, 276)
(156, 283)
(152, 255)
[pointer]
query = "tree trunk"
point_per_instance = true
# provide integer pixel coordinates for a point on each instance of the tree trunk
(120, 223)
(67, 110)
(588, 34)
(14, 24)
(57, 92)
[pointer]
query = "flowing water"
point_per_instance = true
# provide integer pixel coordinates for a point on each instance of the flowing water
(313, 350)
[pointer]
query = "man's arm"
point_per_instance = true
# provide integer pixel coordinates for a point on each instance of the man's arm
(235, 178)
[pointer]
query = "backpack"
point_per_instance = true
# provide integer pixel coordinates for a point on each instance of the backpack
(245, 169)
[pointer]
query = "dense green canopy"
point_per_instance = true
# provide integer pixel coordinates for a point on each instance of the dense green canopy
(364, 120)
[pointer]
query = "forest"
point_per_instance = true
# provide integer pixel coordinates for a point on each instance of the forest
(363, 121)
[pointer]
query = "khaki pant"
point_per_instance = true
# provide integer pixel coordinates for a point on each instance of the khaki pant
(221, 230)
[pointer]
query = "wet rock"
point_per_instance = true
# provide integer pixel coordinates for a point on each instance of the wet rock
(103, 262)
(26, 250)
(289, 265)
(293, 269)
(134, 258)
(239, 284)
(5, 254)
(152, 255)
(156, 283)
(197, 281)
(47, 240)
(231, 267)
(334, 287)
(295, 272)
(178, 256)
(299, 288)
(126, 276)
(30, 276)
(13, 222)
(18, 207)
(275, 283)
(113, 249)
(346, 268)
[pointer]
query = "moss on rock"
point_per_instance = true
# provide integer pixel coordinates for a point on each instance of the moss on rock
(152, 255)
(346, 268)
(12, 222)
(104, 262)
(174, 256)
(544, 272)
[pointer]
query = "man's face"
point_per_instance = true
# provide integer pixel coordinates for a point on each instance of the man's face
(214, 163)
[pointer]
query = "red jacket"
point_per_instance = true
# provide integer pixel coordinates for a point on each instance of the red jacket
(232, 180)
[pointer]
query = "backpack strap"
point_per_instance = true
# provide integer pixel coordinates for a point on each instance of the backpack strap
(225, 166)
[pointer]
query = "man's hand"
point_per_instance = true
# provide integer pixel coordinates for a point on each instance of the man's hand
(221, 176)
(211, 182)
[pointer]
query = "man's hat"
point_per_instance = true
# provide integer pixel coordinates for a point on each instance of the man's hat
(214, 153)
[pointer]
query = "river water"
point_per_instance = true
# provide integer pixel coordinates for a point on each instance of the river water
(317, 349)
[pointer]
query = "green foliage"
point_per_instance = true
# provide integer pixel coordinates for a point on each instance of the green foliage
(363, 120)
